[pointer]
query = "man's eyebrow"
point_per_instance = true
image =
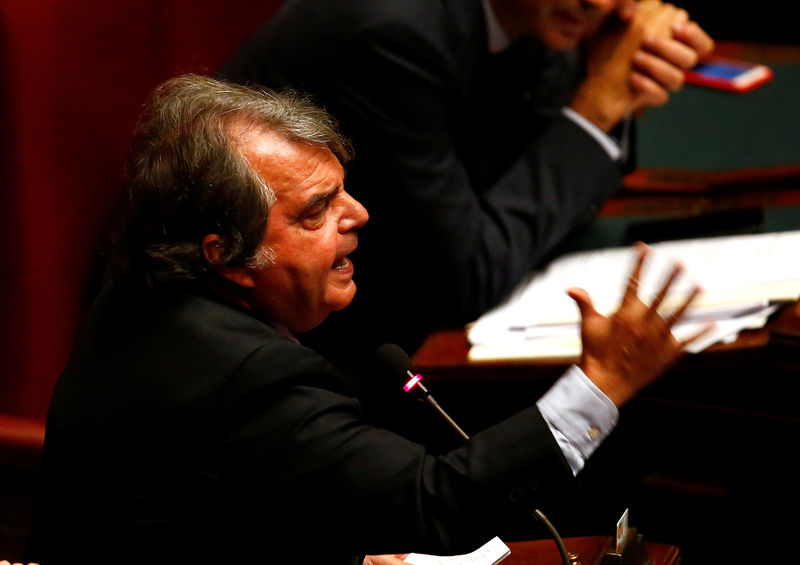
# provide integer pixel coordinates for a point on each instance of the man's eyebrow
(320, 197)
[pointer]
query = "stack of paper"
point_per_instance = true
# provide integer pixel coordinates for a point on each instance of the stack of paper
(744, 278)
(490, 553)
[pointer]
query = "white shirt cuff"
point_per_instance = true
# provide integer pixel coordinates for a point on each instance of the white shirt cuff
(606, 141)
(579, 415)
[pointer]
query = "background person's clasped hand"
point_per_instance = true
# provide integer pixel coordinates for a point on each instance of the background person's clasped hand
(636, 59)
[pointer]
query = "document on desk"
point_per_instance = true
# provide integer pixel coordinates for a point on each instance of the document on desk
(490, 553)
(744, 279)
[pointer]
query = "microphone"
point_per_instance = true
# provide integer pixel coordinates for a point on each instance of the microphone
(395, 361)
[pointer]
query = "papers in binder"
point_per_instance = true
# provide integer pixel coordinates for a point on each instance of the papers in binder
(744, 279)
(490, 553)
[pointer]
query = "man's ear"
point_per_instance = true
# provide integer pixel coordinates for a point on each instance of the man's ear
(213, 247)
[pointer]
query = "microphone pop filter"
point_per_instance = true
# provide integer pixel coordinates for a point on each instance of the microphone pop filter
(392, 359)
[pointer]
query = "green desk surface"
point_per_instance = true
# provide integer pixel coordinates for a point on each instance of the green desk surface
(619, 231)
(712, 130)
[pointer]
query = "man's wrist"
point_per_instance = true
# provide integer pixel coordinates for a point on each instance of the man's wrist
(606, 141)
(607, 381)
(578, 414)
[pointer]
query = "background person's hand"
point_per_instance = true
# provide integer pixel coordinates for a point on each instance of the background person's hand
(396, 559)
(628, 350)
(636, 58)
(659, 64)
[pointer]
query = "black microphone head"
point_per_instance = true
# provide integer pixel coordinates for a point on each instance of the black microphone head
(392, 359)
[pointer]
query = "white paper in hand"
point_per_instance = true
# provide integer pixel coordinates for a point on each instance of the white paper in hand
(493, 551)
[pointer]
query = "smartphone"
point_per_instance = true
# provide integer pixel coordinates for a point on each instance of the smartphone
(729, 74)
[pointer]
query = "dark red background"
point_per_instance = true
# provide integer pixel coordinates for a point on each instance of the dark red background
(74, 75)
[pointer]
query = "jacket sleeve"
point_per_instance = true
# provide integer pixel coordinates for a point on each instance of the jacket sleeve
(294, 442)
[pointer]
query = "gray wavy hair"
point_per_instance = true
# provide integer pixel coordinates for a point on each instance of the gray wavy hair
(187, 178)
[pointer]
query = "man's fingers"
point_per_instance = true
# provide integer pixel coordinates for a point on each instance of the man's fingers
(702, 333)
(676, 270)
(661, 71)
(694, 36)
(680, 18)
(671, 51)
(387, 559)
(678, 314)
(648, 93)
(583, 300)
(632, 287)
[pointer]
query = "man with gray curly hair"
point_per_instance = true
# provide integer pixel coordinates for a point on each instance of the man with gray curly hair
(190, 425)
(185, 180)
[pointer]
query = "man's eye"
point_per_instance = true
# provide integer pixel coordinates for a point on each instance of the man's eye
(316, 210)
(315, 214)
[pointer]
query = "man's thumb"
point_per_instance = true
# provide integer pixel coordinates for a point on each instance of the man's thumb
(583, 301)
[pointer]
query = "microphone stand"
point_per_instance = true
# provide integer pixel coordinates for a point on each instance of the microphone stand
(416, 382)
(562, 549)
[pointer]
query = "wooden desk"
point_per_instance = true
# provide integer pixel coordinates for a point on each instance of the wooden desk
(443, 355)
(544, 552)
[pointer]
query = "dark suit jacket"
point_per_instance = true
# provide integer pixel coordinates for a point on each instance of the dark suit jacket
(184, 428)
(470, 173)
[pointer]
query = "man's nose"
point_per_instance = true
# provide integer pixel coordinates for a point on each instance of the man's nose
(355, 215)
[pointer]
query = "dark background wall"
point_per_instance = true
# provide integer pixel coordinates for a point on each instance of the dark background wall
(772, 21)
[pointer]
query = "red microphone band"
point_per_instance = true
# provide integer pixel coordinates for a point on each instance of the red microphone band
(412, 382)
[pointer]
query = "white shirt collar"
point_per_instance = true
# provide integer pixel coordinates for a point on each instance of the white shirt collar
(498, 39)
